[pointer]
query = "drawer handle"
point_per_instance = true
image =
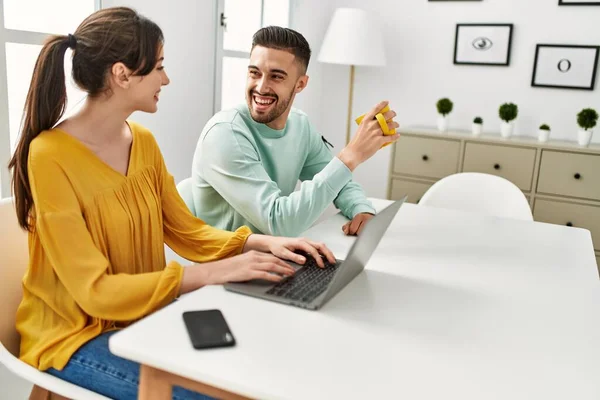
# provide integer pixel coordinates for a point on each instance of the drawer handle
(425, 157)
(569, 223)
(577, 176)
(496, 166)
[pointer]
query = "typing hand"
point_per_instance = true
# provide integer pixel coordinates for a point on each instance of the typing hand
(284, 248)
(244, 267)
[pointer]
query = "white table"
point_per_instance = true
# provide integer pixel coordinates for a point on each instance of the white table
(451, 306)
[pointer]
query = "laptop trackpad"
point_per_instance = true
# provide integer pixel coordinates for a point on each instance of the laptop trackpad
(253, 286)
(259, 283)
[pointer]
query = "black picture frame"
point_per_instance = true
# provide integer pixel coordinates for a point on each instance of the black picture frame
(576, 3)
(567, 46)
(510, 36)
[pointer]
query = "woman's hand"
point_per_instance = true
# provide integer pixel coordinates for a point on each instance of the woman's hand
(244, 267)
(255, 262)
(284, 247)
(247, 266)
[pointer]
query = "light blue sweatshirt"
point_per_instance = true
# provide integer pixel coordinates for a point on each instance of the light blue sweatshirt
(245, 173)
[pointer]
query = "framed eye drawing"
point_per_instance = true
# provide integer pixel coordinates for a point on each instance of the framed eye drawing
(483, 44)
(565, 66)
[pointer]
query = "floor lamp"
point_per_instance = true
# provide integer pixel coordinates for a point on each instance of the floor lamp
(352, 38)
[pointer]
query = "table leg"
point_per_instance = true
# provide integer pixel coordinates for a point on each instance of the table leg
(158, 385)
(154, 384)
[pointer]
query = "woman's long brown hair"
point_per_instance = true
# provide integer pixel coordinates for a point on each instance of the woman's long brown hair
(106, 37)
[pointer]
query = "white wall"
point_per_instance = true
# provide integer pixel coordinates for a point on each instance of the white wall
(311, 17)
(419, 39)
(185, 105)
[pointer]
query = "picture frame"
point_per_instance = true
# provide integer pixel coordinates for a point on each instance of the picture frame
(564, 66)
(483, 44)
(578, 3)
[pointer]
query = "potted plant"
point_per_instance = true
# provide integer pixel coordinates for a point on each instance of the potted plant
(477, 126)
(543, 133)
(586, 119)
(508, 112)
(444, 107)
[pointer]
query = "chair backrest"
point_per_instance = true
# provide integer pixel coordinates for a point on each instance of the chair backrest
(185, 191)
(482, 193)
(14, 257)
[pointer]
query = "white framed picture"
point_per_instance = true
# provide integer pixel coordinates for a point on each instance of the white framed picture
(483, 44)
(565, 66)
(578, 3)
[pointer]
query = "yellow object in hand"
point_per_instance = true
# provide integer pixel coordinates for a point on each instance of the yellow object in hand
(382, 122)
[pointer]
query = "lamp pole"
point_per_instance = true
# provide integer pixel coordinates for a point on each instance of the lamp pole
(351, 95)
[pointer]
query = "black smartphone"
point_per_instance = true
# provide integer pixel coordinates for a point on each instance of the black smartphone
(208, 329)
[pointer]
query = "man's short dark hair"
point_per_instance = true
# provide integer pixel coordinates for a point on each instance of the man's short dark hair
(276, 37)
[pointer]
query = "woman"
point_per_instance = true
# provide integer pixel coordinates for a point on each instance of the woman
(99, 204)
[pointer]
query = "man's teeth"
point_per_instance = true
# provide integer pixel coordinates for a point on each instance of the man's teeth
(263, 102)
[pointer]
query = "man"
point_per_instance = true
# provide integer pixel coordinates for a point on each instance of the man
(250, 158)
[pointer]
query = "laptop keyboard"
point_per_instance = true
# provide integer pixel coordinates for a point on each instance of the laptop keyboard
(307, 283)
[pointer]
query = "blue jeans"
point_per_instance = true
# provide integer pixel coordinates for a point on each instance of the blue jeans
(94, 367)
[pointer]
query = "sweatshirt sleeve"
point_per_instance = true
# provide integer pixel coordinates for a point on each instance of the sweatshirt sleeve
(351, 199)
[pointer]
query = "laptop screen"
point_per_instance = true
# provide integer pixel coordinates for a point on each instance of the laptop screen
(363, 247)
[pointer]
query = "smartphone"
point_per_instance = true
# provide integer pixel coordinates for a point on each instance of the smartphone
(208, 329)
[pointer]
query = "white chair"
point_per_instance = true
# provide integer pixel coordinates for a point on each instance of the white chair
(482, 193)
(185, 191)
(14, 256)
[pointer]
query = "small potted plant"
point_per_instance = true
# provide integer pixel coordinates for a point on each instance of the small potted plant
(477, 126)
(508, 113)
(444, 107)
(543, 133)
(586, 119)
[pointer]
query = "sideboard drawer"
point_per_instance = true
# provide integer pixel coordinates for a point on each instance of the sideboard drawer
(571, 214)
(513, 163)
(570, 174)
(414, 190)
(431, 158)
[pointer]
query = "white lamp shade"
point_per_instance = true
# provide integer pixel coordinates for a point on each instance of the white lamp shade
(353, 38)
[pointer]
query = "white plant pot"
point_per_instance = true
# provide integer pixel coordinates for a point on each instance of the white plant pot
(584, 137)
(442, 123)
(543, 135)
(506, 129)
(476, 129)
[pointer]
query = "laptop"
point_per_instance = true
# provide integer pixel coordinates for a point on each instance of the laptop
(311, 286)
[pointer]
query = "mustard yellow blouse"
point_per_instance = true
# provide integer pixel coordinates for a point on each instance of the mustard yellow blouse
(97, 257)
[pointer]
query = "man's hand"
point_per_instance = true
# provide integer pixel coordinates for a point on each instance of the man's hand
(357, 224)
(369, 138)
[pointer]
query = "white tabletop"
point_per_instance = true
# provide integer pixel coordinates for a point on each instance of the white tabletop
(452, 306)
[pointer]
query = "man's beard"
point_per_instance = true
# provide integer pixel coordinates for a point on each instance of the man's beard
(274, 113)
